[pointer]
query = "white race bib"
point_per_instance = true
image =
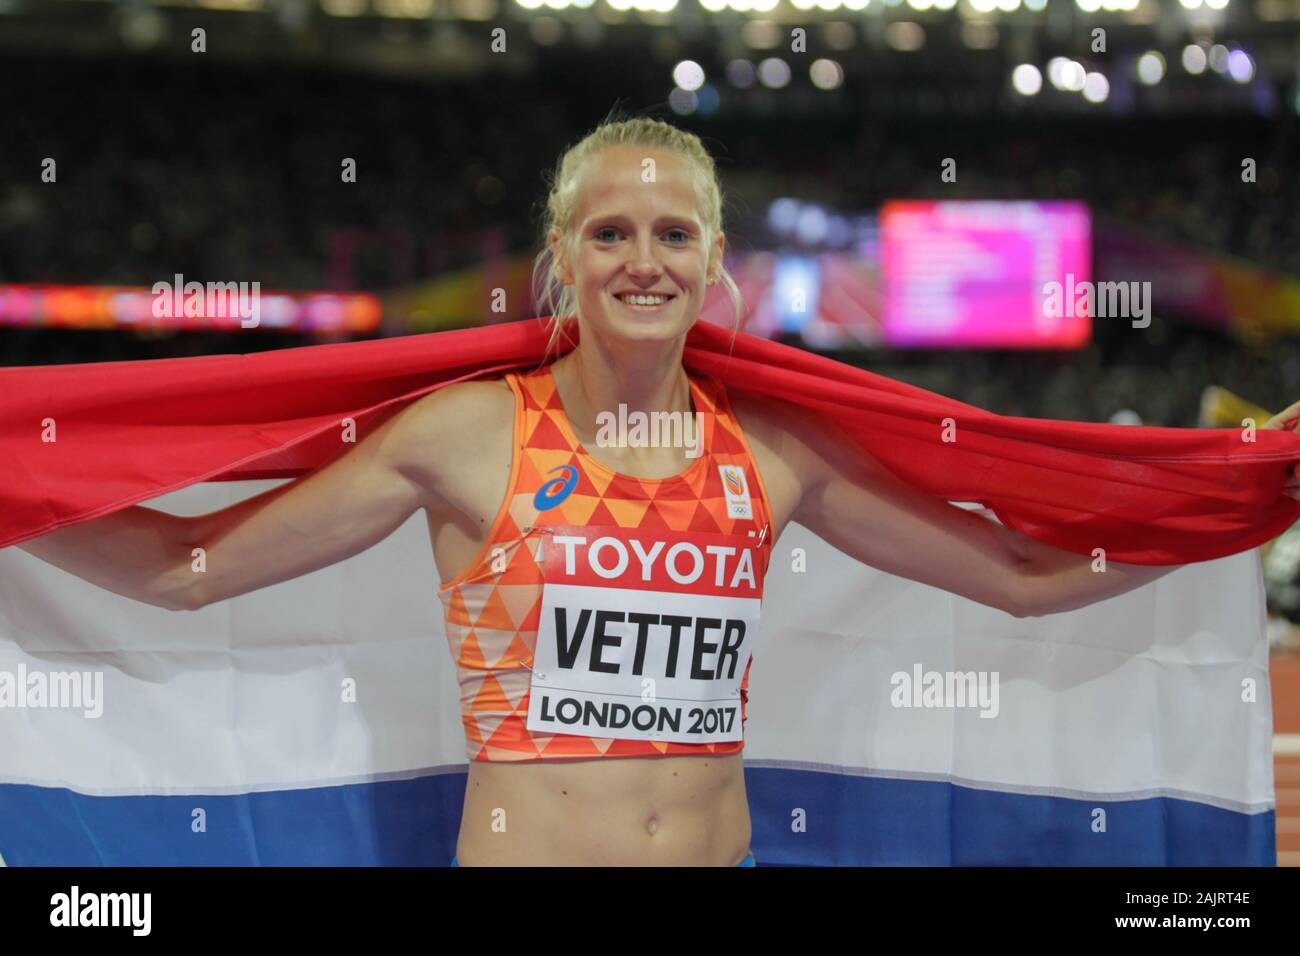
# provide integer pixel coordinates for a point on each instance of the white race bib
(644, 634)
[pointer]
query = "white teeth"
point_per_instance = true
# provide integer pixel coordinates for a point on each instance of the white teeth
(644, 299)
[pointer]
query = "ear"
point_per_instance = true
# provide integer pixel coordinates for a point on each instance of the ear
(558, 251)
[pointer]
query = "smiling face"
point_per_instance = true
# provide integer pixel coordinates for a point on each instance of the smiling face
(634, 238)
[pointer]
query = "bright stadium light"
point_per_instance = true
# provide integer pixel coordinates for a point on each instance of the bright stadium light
(826, 74)
(944, 4)
(1075, 76)
(1216, 4)
(1035, 5)
(1008, 6)
(1194, 59)
(1096, 88)
(829, 4)
(1026, 79)
(765, 6)
(848, 4)
(1240, 66)
(920, 4)
(1191, 4)
(1054, 67)
(1088, 6)
(714, 6)
(529, 4)
(689, 75)
(804, 4)
(984, 6)
(905, 36)
(774, 73)
(1065, 74)
(1150, 68)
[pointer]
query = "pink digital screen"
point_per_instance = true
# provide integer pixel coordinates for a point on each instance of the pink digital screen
(990, 274)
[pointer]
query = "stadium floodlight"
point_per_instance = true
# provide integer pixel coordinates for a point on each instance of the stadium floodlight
(1056, 71)
(1216, 4)
(1191, 4)
(774, 73)
(1026, 79)
(826, 74)
(688, 75)
(1008, 6)
(803, 4)
(906, 36)
(984, 6)
(852, 4)
(1240, 66)
(1194, 59)
(920, 4)
(1088, 6)
(1036, 5)
(1074, 76)
(1150, 68)
(1066, 74)
(714, 6)
(1096, 88)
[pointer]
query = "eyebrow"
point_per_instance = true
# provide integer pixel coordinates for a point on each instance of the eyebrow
(661, 221)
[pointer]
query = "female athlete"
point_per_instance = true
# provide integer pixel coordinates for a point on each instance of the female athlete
(559, 548)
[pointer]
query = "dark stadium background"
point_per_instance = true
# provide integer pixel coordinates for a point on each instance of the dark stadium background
(225, 164)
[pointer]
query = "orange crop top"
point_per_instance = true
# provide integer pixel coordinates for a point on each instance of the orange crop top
(607, 615)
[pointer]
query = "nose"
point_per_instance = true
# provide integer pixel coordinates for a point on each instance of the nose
(643, 263)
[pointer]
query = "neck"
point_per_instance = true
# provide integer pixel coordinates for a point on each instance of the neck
(596, 377)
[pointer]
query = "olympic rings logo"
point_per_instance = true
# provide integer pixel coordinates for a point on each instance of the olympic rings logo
(557, 489)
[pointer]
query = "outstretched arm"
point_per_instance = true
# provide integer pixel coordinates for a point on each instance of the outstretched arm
(327, 515)
(833, 487)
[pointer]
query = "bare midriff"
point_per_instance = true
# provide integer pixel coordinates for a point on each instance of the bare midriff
(629, 811)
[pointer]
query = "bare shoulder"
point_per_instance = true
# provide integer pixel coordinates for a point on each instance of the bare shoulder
(784, 430)
(815, 443)
(784, 439)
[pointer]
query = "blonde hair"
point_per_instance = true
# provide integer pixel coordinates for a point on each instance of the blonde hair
(560, 301)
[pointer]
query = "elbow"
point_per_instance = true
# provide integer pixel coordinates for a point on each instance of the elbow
(185, 593)
(1025, 598)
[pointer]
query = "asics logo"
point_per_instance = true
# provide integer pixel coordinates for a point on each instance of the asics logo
(557, 489)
